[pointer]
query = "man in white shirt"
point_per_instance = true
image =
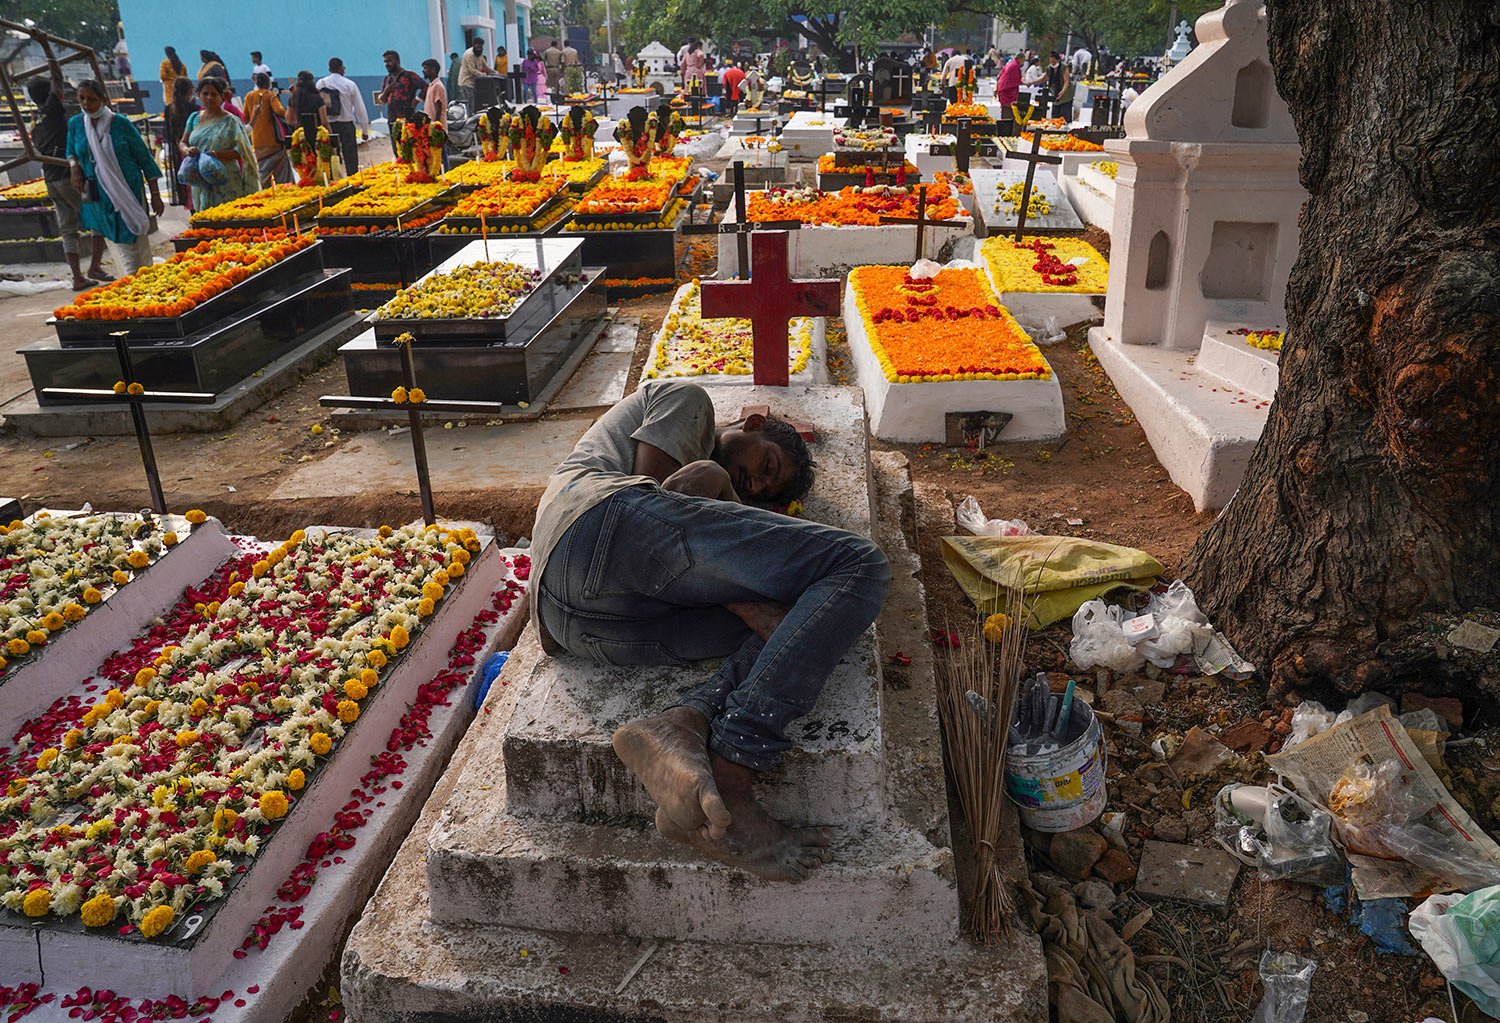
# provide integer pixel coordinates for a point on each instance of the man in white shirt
(470, 68)
(1082, 58)
(951, 67)
(258, 67)
(350, 112)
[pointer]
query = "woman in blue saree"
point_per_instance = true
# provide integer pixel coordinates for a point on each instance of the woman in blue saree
(213, 130)
(112, 170)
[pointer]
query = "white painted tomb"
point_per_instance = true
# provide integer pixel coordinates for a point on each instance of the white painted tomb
(1205, 229)
(917, 412)
(809, 134)
(1092, 193)
(1039, 311)
(990, 182)
(535, 885)
(830, 250)
(197, 956)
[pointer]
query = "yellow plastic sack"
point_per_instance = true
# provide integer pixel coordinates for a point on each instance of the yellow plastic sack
(1056, 573)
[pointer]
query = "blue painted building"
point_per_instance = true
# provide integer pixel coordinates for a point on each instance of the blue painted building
(298, 35)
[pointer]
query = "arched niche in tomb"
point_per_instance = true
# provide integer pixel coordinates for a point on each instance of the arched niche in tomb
(1252, 96)
(1241, 259)
(1158, 260)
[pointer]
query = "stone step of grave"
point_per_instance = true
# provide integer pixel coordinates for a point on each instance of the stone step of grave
(1201, 428)
(1093, 206)
(51, 672)
(1237, 362)
(558, 751)
(1096, 179)
(403, 965)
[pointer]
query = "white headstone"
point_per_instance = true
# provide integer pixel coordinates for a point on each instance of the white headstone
(657, 57)
(1183, 46)
(1204, 235)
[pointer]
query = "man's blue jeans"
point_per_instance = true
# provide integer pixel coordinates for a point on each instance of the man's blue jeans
(643, 577)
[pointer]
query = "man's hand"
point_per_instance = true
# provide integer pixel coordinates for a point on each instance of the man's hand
(703, 478)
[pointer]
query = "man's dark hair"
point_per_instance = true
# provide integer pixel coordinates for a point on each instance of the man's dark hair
(262, 80)
(430, 63)
(255, 56)
(791, 442)
(335, 65)
(39, 89)
(392, 53)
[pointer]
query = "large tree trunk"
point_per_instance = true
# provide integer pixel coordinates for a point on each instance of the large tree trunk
(1374, 494)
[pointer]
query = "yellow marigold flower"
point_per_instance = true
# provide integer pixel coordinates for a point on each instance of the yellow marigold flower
(441, 577)
(17, 647)
(144, 676)
(115, 699)
(355, 689)
(276, 557)
(273, 804)
(400, 637)
(45, 760)
(36, 637)
(317, 428)
(224, 819)
(399, 396)
(119, 578)
(98, 911)
(369, 676)
(199, 860)
(375, 658)
(198, 707)
(170, 539)
(212, 610)
(235, 589)
(416, 395)
(186, 738)
(72, 739)
(456, 569)
(462, 555)
(92, 596)
(37, 902)
(385, 531)
(348, 711)
(17, 786)
(137, 559)
(4, 664)
(259, 569)
(74, 612)
(197, 516)
(151, 708)
(136, 388)
(295, 779)
(53, 622)
(425, 607)
(118, 387)
(320, 743)
(298, 536)
(432, 591)
(156, 921)
(102, 826)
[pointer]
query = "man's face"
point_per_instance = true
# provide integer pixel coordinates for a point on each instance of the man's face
(478, 47)
(391, 64)
(758, 468)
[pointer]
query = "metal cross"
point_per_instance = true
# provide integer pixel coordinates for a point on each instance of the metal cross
(413, 412)
(743, 226)
(769, 300)
(823, 95)
(1031, 160)
(136, 400)
(920, 220)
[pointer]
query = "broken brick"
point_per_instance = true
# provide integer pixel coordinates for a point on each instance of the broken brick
(1449, 708)
(1115, 867)
(1249, 736)
(1074, 853)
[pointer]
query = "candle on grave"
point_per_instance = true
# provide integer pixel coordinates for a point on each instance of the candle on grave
(296, 227)
(484, 232)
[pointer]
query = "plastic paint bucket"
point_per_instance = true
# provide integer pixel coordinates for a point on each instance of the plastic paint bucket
(1064, 788)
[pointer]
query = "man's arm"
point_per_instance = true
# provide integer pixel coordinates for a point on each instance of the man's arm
(652, 461)
(705, 478)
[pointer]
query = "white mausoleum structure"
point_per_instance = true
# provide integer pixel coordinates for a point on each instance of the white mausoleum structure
(1204, 235)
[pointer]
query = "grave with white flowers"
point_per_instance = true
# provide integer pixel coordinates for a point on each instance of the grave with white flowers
(538, 887)
(222, 741)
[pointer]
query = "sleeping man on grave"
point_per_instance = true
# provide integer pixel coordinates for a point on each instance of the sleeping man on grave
(649, 548)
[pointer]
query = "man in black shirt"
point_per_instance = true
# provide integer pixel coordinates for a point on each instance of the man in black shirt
(49, 134)
(401, 91)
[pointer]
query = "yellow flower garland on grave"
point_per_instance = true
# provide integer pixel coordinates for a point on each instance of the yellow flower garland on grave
(693, 346)
(1013, 267)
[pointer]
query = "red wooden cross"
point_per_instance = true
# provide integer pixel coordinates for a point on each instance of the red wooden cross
(769, 300)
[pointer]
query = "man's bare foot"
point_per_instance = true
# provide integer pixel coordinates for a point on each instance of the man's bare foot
(669, 754)
(755, 841)
(762, 616)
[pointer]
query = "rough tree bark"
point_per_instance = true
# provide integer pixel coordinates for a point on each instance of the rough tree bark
(1374, 494)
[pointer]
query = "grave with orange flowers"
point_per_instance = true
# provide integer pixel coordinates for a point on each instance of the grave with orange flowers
(207, 757)
(538, 887)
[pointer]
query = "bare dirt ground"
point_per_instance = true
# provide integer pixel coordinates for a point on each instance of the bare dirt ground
(1103, 473)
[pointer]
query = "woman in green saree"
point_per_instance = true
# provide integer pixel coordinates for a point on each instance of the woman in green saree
(215, 131)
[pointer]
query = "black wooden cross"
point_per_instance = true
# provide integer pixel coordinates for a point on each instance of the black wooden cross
(823, 95)
(742, 227)
(135, 395)
(920, 220)
(1031, 160)
(413, 411)
(858, 92)
(963, 146)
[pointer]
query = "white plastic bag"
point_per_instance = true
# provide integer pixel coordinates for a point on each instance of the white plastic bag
(1177, 602)
(1309, 719)
(1462, 935)
(1287, 979)
(1098, 640)
(971, 517)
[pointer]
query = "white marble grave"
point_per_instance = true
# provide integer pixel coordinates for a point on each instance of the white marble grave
(1092, 193)
(995, 214)
(1205, 229)
(809, 134)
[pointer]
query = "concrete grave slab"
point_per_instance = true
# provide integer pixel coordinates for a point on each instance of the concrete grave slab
(994, 213)
(809, 134)
(829, 251)
(1238, 363)
(1194, 874)
(658, 364)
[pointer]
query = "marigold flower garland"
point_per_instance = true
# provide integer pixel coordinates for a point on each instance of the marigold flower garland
(1064, 143)
(1265, 339)
(473, 291)
(852, 205)
(950, 327)
(1046, 265)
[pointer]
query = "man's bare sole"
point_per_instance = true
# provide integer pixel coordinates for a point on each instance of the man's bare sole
(669, 754)
(755, 841)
